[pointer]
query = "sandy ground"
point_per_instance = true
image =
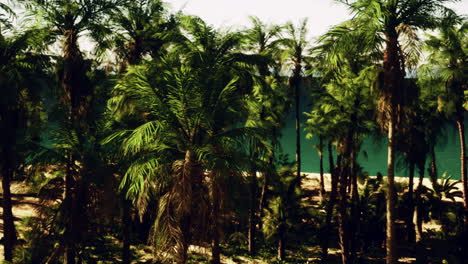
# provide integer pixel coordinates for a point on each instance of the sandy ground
(23, 206)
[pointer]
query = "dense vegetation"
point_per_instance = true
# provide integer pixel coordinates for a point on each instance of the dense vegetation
(166, 136)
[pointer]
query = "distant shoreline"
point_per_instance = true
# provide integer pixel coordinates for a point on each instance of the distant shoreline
(313, 180)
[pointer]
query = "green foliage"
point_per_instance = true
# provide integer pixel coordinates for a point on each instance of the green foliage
(285, 210)
(445, 72)
(181, 110)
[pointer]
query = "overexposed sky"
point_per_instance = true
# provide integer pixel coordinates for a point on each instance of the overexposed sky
(233, 13)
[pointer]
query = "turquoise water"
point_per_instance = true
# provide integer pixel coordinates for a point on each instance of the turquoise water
(447, 152)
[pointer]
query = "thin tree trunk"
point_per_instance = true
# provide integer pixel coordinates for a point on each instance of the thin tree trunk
(296, 81)
(126, 221)
(409, 221)
(343, 219)
(264, 193)
(417, 210)
(9, 231)
(354, 223)
(298, 134)
(433, 175)
(69, 205)
(418, 221)
(344, 225)
(461, 132)
(390, 241)
(253, 207)
(322, 180)
(281, 243)
(215, 250)
(330, 205)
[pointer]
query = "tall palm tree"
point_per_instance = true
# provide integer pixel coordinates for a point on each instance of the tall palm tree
(262, 39)
(188, 112)
(345, 106)
(142, 28)
(296, 44)
(392, 19)
(448, 64)
(169, 140)
(20, 71)
(68, 21)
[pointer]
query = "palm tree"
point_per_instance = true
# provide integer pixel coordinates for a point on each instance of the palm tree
(447, 64)
(296, 45)
(393, 19)
(188, 115)
(21, 72)
(168, 139)
(262, 39)
(68, 20)
(346, 72)
(142, 28)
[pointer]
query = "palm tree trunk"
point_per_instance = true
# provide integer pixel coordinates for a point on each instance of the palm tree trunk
(253, 207)
(188, 183)
(344, 225)
(330, 205)
(10, 119)
(69, 205)
(263, 195)
(215, 249)
(433, 175)
(417, 209)
(9, 230)
(418, 221)
(281, 243)
(296, 82)
(185, 225)
(343, 219)
(77, 90)
(298, 135)
(461, 132)
(354, 208)
(390, 241)
(409, 221)
(393, 75)
(322, 180)
(126, 221)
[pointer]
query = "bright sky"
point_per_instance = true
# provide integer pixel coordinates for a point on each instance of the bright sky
(322, 14)
(228, 13)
